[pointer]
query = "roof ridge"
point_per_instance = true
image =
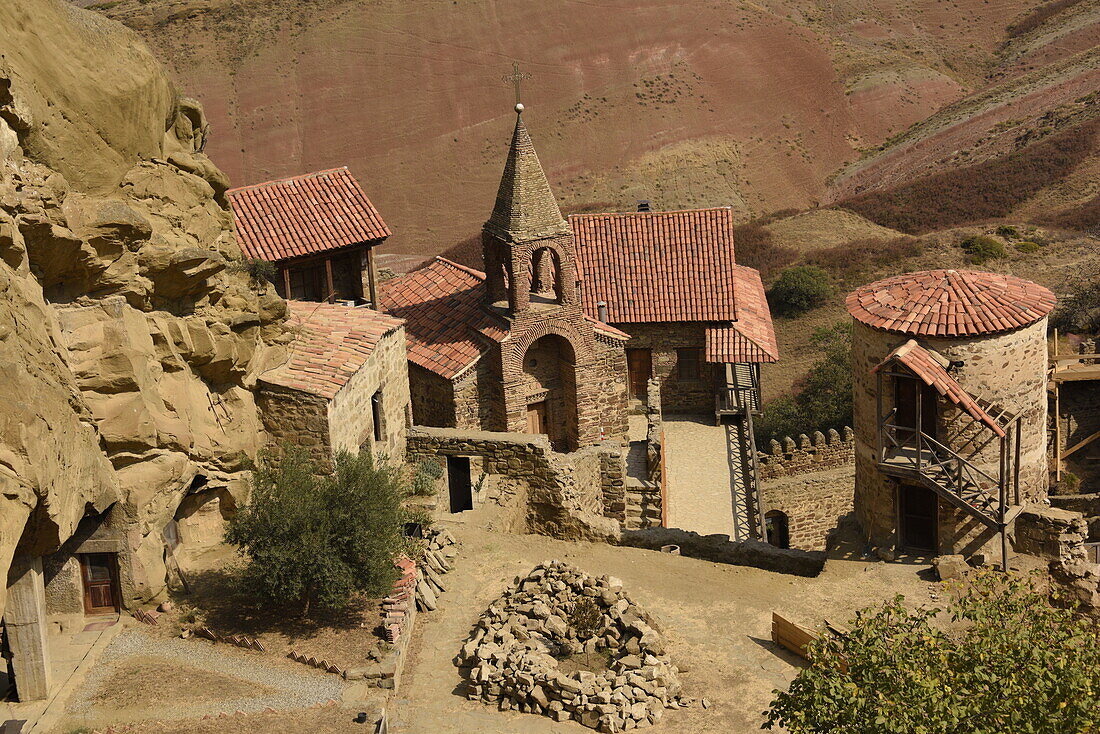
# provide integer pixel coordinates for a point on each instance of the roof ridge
(298, 177)
(667, 211)
(459, 266)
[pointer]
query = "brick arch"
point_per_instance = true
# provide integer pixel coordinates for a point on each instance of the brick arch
(516, 350)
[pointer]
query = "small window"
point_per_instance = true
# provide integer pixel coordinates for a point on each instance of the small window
(376, 414)
(689, 363)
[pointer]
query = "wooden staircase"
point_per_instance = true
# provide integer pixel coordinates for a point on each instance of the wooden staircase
(735, 405)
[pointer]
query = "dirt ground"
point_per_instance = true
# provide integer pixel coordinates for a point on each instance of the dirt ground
(717, 619)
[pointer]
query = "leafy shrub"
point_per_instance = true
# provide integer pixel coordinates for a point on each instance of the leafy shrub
(981, 249)
(316, 540)
(987, 190)
(1007, 231)
(1011, 662)
(1027, 246)
(854, 258)
(824, 397)
(1078, 308)
(425, 477)
(799, 289)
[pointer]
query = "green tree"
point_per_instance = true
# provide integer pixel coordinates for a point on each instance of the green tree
(799, 289)
(314, 540)
(824, 397)
(1008, 662)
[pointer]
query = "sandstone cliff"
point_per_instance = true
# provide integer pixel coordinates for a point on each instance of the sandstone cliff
(129, 334)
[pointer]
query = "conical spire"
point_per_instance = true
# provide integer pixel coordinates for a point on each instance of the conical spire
(526, 208)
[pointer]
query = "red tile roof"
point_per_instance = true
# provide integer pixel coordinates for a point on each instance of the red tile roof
(304, 215)
(751, 338)
(930, 368)
(657, 266)
(446, 327)
(331, 344)
(950, 303)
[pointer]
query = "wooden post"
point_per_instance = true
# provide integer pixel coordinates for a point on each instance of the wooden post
(920, 411)
(1016, 468)
(1057, 433)
(1002, 491)
(331, 297)
(286, 283)
(372, 279)
(879, 422)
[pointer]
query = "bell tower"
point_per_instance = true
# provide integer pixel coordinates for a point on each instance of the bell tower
(527, 244)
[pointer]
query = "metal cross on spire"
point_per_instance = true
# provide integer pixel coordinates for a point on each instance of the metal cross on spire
(515, 78)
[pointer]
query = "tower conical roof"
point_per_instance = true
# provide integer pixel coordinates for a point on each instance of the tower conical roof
(525, 208)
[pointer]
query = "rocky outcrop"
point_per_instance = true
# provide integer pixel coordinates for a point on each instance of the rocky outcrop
(129, 337)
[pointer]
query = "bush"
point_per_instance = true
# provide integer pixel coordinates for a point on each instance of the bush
(981, 248)
(1007, 231)
(315, 540)
(799, 289)
(425, 476)
(1009, 662)
(258, 270)
(1078, 308)
(1027, 246)
(824, 397)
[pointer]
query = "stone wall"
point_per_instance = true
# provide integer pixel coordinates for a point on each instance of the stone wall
(720, 549)
(1079, 410)
(433, 398)
(811, 482)
(1008, 369)
(809, 454)
(1050, 534)
(663, 339)
(295, 418)
(611, 389)
(613, 482)
(350, 413)
(559, 496)
(479, 398)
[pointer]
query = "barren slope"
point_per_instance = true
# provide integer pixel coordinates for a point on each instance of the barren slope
(685, 103)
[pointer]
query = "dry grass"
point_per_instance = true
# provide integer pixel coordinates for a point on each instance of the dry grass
(1038, 16)
(980, 192)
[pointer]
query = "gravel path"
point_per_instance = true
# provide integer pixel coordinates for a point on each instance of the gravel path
(292, 689)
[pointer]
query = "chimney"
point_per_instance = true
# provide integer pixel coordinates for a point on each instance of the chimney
(601, 310)
(643, 205)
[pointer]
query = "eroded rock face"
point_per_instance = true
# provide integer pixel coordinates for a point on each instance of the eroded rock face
(512, 657)
(129, 341)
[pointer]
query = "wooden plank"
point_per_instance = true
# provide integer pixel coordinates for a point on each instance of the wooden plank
(791, 636)
(1081, 445)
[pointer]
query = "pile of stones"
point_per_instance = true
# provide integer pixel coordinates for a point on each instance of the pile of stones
(438, 559)
(512, 656)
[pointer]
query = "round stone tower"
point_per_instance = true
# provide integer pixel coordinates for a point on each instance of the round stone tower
(949, 379)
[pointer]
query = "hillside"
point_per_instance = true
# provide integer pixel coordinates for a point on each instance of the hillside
(687, 104)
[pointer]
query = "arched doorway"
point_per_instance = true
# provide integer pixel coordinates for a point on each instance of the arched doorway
(550, 388)
(777, 527)
(545, 275)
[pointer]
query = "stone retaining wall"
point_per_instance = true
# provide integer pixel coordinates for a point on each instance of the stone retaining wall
(809, 454)
(720, 549)
(562, 491)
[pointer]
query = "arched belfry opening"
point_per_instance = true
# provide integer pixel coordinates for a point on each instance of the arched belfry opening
(550, 388)
(546, 277)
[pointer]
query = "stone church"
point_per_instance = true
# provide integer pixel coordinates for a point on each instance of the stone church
(511, 349)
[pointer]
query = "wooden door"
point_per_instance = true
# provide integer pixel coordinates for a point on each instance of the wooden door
(905, 400)
(917, 514)
(639, 364)
(459, 486)
(99, 574)
(537, 417)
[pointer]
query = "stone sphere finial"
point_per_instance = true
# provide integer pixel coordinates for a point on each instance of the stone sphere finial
(519, 107)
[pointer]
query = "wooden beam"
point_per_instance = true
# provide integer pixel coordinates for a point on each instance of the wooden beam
(331, 297)
(372, 278)
(1057, 435)
(791, 636)
(286, 282)
(1082, 444)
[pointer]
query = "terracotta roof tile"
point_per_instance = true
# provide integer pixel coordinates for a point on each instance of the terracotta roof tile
(950, 303)
(446, 327)
(929, 367)
(331, 343)
(304, 215)
(657, 266)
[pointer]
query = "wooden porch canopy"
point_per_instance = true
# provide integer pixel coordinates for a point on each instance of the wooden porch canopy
(931, 368)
